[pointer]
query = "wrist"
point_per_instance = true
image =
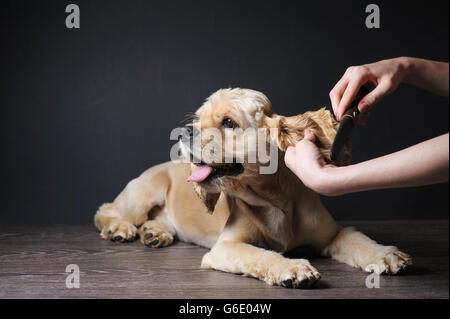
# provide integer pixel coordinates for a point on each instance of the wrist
(406, 67)
(328, 181)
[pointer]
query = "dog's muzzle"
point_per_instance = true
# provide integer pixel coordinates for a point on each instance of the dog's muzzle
(206, 171)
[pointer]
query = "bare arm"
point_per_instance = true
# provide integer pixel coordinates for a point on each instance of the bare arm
(428, 75)
(422, 164)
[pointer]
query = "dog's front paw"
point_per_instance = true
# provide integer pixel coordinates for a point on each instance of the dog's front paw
(118, 230)
(297, 273)
(391, 263)
(154, 235)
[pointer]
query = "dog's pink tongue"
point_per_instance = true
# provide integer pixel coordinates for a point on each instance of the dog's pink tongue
(200, 174)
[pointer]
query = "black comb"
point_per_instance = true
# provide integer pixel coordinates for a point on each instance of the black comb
(349, 120)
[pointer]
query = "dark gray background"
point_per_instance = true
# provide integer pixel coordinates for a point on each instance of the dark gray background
(84, 111)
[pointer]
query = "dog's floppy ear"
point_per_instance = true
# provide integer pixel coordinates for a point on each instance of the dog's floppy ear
(321, 123)
(209, 199)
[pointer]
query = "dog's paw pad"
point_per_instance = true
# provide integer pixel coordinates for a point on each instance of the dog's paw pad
(154, 236)
(392, 263)
(119, 231)
(300, 275)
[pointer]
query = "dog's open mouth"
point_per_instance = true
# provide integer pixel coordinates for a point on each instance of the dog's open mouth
(205, 172)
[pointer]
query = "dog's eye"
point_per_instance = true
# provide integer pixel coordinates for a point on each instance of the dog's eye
(229, 123)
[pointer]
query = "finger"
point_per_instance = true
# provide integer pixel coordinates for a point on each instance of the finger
(373, 97)
(337, 92)
(350, 93)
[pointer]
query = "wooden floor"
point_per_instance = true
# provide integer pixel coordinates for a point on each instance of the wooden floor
(33, 261)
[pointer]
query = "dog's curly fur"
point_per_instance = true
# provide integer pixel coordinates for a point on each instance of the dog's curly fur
(255, 218)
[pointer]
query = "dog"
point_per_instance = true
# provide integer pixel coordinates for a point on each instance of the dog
(247, 219)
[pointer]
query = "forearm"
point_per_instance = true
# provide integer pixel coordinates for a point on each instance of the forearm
(422, 164)
(429, 75)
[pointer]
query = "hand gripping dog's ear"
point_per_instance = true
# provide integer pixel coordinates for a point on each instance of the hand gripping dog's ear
(321, 123)
(209, 199)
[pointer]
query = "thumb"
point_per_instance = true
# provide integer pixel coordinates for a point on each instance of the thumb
(309, 136)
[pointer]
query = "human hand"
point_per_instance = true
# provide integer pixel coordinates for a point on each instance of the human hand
(385, 75)
(307, 162)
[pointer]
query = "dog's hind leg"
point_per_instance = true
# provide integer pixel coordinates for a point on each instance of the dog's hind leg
(118, 220)
(112, 225)
(358, 250)
(157, 233)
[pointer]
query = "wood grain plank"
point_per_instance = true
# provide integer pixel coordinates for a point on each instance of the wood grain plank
(33, 260)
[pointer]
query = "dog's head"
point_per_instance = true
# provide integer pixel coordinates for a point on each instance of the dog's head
(234, 129)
